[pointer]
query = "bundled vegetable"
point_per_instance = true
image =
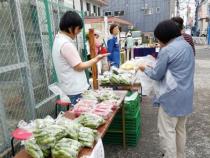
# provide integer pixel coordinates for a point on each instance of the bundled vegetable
(91, 120)
(115, 79)
(33, 149)
(47, 137)
(83, 106)
(105, 81)
(87, 136)
(71, 127)
(42, 123)
(100, 95)
(104, 95)
(57, 131)
(103, 109)
(66, 148)
(90, 95)
(112, 103)
(124, 80)
(44, 137)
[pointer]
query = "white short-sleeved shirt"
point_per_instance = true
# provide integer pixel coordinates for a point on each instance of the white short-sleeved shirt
(65, 58)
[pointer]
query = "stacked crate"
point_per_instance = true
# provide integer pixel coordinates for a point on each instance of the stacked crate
(132, 106)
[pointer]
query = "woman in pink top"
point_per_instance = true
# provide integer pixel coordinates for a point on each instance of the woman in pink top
(97, 41)
(98, 50)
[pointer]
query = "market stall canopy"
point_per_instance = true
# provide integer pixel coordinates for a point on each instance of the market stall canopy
(117, 20)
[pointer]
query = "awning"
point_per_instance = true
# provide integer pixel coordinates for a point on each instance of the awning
(117, 20)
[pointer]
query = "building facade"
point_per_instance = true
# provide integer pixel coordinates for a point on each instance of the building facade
(144, 14)
(203, 17)
(93, 7)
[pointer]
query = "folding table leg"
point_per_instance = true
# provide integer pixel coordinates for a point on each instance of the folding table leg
(123, 126)
(12, 145)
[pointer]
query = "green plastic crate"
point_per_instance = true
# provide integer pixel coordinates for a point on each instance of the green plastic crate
(132, 138)
(132, 103)
(128, 115)
(130, 123)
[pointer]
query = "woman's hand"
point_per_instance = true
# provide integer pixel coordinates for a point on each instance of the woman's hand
(101, 56)
(84, 65)
(143, 66)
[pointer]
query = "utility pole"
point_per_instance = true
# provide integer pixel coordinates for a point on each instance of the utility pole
(81, 3)
(178, 8)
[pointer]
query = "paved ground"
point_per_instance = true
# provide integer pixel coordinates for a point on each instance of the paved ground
(198, 125)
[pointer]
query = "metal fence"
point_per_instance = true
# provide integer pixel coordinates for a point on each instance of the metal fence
(26, 37)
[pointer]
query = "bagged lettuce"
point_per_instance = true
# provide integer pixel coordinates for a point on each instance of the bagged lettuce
(49, 135)
(90, 120)
(33, 149)
(71, 127)
(87, 136)
(66, 148)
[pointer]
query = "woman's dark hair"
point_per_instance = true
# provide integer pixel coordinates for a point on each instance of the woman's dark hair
(136, 43)
(166, 31)
(112, 28)
(70, 20)
(179, 21)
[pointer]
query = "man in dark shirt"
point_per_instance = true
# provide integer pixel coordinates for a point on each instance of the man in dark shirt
(180, 22)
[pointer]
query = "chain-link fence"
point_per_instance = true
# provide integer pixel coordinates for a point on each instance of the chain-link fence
(26, 37)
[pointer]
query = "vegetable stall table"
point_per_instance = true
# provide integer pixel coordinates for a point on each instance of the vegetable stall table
(121, 79)
(102, 129)
(132, 87)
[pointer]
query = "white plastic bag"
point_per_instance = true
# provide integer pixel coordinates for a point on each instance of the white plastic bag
(57, 91)
(98, 151)
(166, 85)
(146, 82)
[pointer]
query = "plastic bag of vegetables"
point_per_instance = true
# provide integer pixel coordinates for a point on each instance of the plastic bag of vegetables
(90, 95)
(66, 148)
(71, 127)
(90, 120)
(115, 79)
(57, 131)
(42, 123)
(105, 81)
(124, 80)
(33, 149)
(47, 137)
(106, 95)
(87, 136)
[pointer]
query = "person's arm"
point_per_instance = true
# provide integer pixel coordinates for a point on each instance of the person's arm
(158, 72)
(84, 65)
(70, 53)
(193, 45)
(110, 46)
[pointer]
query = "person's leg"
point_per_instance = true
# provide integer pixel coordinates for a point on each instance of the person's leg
(130, 54)
(126, 58)
(181, 137)
(167, 133)
(74, 98)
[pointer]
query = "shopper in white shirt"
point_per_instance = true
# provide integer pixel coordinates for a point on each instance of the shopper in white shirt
(70, 69)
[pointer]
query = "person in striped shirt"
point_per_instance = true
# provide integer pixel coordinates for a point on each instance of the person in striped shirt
(180, 22)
